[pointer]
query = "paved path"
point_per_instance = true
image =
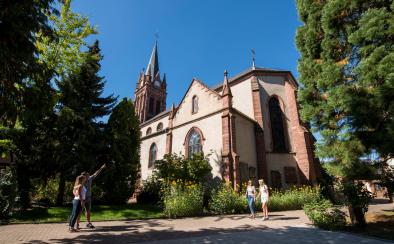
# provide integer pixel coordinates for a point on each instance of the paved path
(283, 227)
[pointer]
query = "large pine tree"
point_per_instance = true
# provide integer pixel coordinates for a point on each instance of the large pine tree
(123, 138)
(347, 74)
(81, 105)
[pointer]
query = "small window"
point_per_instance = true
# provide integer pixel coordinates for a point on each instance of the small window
(194, 104)
(159, 127)
(252, 172)
(276, 180)
(149, 131)
(290, 175)
(152, 155)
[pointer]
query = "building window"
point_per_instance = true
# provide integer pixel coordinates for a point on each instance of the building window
(194, 104)
(151, 105)
(243, 172)
(159, 127)
(194, 145)
(276, 180)
(149, 131)
(158, 107)
(277, 126)
(290, 175)
(252, 172)
(152, 155)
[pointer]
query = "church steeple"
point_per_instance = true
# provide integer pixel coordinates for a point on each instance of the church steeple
(150, 93)
(153, 66)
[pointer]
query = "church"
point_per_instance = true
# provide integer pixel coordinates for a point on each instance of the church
(248, 124)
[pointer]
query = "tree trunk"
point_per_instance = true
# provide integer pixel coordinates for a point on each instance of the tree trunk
(60, 192)
(390, 195)
(357, 216)
(23, 185)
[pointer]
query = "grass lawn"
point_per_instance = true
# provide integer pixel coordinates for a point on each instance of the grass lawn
(99, 213)
(380, 224)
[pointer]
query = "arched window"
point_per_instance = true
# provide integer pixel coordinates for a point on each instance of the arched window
(194, 145)
(194, 104)
(152, 155)
(277, 126)
(149, 131)
(159, 127)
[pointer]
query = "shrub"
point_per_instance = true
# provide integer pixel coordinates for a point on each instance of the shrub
(176, 167)
(291, 199)
(150, 192)
(225, 200)
(45, 194)
(181, 200)
(7, 193)
(323, 215)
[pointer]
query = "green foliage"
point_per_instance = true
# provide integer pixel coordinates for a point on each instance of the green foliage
(225, 200)
(44, 193)
(346, 69)
(183, 199)
(151, 192)
(324, 215)
(356, 195)
(7, 193)
(64, 54)
(19, 22)
(177, 167)
(123, 138)
(291, 199)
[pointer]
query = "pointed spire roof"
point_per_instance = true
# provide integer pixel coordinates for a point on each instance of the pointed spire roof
(153, 66)
(226, 87)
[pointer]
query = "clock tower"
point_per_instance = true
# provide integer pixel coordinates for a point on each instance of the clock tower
(151, 90)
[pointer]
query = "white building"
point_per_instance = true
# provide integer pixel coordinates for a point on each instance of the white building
(249, 123)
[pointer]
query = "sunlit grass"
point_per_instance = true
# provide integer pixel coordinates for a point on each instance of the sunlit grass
(99, 213)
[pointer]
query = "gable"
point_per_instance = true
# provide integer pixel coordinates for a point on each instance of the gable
(208, 102)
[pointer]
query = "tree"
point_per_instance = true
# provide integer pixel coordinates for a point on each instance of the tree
(123, 138)
(21, 75)
(19, 23)
(81, 104)
(343, 58)
(64, 54)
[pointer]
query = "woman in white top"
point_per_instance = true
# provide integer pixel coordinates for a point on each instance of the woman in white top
(79, 192)
(264, 194)
(251, 194)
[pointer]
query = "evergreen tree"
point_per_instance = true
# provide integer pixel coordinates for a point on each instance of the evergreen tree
(123, 138)
(346, 69)
(19, 23)
(80, 133)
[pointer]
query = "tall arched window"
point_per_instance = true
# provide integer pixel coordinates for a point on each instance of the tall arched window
(194, 145)
(194, 104)
(277, 126)
(152, 155)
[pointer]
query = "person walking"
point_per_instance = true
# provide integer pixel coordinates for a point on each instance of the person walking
(88, 201)
(264, 194)
(251, 194)
(79, 192)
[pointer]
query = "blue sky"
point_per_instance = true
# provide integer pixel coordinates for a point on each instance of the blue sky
(197, 38)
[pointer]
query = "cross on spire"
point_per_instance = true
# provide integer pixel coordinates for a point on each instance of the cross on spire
(253, 54)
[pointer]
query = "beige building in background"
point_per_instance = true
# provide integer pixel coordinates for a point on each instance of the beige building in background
(248, 124)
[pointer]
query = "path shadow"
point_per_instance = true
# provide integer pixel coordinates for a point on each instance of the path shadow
(242, 234)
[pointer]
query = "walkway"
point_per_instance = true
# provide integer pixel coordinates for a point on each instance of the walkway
(283, 227)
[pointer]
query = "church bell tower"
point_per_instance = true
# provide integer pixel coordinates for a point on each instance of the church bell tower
(151, 90)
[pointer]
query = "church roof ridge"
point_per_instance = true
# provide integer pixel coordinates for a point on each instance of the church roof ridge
(256, 69)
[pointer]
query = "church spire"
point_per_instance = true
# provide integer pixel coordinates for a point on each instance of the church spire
(153, 66)
(226, 88)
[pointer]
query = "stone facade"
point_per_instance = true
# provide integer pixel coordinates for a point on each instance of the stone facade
(231, 122)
